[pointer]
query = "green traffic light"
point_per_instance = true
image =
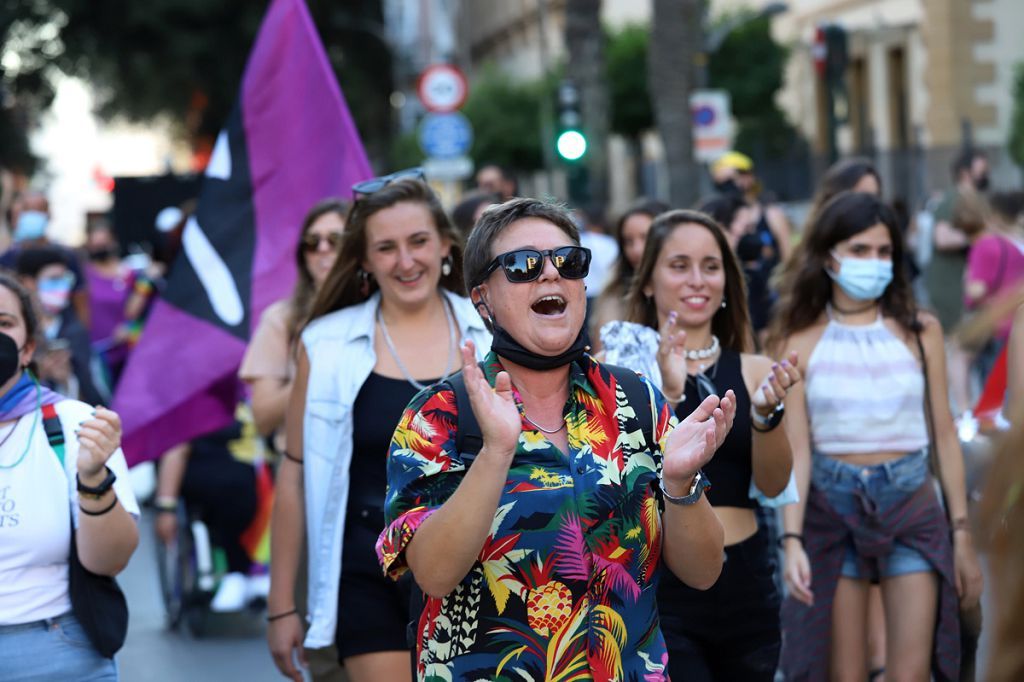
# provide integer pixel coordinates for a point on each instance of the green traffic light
(571, 145)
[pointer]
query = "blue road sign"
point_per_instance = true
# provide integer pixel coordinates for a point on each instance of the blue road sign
(445, 136)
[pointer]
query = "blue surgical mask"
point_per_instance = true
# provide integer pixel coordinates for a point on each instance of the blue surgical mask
(862, 279)
(55, 292)
(31, 225)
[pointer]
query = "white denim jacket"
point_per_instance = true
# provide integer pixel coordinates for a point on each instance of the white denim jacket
(341, 356)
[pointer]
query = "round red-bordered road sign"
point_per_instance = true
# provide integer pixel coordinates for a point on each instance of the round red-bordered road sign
(442, 88)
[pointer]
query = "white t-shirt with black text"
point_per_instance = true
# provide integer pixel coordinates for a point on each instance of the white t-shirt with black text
(35, 499)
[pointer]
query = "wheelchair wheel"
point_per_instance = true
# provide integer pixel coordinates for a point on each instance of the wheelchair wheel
(177, 572)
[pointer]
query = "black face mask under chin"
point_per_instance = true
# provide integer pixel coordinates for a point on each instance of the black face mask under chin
(505, 346)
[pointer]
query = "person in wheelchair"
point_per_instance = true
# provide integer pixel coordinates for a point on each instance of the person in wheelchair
(216, 478)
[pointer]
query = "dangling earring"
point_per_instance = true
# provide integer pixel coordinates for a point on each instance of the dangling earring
(364, 282)
(446, 266)
(723, 302)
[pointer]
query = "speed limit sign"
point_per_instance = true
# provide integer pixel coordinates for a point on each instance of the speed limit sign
(442, 88)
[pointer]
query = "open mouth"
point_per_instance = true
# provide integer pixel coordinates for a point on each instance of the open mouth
(410, 279)
(549, 305)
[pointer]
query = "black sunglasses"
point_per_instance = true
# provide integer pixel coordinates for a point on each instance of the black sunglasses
(525, 265)
(311, 242)
(367, 187)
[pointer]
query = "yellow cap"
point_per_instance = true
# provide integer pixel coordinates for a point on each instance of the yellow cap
(734, 160)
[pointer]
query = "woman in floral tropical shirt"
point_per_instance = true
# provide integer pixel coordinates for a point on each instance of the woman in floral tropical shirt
(541, 554)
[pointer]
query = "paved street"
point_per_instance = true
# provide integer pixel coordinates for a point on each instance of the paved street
(234, 650)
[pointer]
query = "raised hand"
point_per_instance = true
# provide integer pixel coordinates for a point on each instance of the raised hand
(98, 438)
(782, 377)
(671, 360)
(694, 441)
(495, 408)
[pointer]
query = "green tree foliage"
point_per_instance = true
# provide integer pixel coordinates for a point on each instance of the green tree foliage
(749, 64)
(185, 58)
(627, 81)
(506, 119)
(1016, 141)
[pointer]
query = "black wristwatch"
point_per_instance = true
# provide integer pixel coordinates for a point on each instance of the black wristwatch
(697, 488)
(764, 424)
(99, 491)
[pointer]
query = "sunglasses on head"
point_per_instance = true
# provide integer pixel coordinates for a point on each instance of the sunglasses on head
(367, 187)
(311, 242)
(525, 265)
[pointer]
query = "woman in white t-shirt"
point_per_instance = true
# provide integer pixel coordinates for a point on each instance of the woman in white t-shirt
(40, 639)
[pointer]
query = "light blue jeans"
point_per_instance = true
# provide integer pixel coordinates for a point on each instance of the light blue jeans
(49, 650)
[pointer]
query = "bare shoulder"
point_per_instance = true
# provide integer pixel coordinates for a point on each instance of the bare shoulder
(803, 342)
(757, 364)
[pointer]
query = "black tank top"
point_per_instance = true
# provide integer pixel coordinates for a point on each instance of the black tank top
(731, 468)
(375, 414)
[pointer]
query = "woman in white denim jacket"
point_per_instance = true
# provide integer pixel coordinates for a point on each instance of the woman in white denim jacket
(388, 320)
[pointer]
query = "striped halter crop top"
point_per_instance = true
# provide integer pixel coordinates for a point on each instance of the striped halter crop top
(865, 392)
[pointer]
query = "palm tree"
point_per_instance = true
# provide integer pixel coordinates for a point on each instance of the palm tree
(585, 43)
(677, 34)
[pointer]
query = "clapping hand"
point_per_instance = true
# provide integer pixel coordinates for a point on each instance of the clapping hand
(782, 377)
(671, 358)
(495, 408)
(694, 441)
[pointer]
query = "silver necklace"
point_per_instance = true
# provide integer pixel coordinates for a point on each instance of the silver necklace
(398, 361)
(703, 353)
(541, 428)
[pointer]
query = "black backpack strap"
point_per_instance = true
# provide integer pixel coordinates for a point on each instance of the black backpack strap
(638, 396)
(468, 437)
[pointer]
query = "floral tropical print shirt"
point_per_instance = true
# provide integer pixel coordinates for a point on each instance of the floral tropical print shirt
(564, 586)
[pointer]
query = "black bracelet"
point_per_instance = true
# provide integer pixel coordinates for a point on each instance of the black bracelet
(98, 513)
(289, 456)
(786, 536)
(278, 616)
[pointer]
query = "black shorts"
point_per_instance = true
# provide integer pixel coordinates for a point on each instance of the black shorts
(373, 610)
(731, 631)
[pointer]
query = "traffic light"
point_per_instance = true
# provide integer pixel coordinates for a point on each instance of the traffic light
(571, 143)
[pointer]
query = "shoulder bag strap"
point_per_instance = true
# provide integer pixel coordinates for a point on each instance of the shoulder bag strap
(929, 415)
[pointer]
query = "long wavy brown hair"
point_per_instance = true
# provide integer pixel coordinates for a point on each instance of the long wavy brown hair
(344, 285)
(805, 287)
(301, 302)
(730, 324)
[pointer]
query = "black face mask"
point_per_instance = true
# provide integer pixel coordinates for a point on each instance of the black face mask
(10, 363)
(728, 188)
(504, 345)
(981, 184)
(103, 254)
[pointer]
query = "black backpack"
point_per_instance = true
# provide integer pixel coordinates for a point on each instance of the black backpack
(469, 440)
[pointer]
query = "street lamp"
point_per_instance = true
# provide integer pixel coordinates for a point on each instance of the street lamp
(713, 39)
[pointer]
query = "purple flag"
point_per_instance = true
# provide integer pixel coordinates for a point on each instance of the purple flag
(289, 143)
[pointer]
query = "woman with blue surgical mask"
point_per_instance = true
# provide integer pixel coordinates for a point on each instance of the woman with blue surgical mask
(65, 358)
(868, 425)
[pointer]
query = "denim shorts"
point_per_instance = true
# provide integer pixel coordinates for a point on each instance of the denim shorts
(884, 485)
(51, 649)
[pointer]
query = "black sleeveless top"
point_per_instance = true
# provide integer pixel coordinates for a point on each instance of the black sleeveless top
(377, 410)
(730, 470)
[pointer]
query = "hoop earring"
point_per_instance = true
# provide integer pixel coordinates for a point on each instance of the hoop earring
(446, 265)
(364, 282)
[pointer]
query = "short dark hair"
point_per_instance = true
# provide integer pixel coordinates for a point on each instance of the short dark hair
(494, 221)
(964, 160)
(31, 261)
(464, 213)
